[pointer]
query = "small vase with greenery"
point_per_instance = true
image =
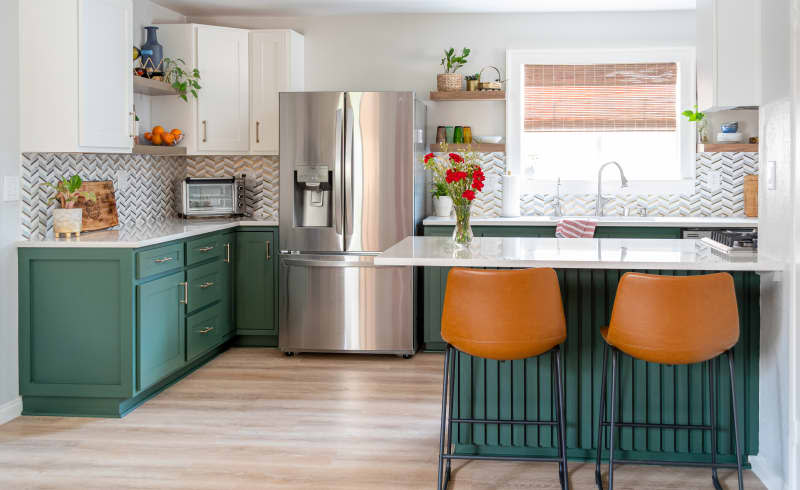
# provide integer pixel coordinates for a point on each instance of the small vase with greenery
(183, 81)
(472, 82)
(450, 81)
(442, 203)
(698, 117)
(67, 219)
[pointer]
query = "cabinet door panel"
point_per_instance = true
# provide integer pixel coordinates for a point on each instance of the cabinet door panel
(255, 283)
(223, 106)
(105, 67)
(160, 331)
(268, 76)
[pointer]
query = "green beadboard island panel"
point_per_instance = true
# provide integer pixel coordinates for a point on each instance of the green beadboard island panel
(649, 393)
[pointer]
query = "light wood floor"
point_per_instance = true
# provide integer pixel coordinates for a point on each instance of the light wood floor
(253, 418)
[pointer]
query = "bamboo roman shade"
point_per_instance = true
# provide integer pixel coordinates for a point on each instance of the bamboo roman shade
(603, 97)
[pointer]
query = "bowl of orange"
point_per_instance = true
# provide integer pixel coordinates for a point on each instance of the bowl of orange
(161, 137)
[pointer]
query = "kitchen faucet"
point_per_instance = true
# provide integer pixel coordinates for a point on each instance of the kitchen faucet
(601, 201)
(557, 200)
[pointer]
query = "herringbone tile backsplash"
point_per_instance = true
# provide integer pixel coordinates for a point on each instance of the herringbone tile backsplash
(149, 194)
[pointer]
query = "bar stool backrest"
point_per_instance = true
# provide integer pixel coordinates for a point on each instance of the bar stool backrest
(674, 320)
(503, 314)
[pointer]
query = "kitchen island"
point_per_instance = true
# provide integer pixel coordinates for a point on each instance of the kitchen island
(589, 271)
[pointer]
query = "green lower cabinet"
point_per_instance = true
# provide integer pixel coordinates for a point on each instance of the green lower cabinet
(256, 283)
(161, 334)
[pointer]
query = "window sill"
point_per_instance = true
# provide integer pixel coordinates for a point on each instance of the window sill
(611, 187)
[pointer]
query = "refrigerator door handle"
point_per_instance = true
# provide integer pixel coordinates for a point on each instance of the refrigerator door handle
(350, 155)
(338, 194)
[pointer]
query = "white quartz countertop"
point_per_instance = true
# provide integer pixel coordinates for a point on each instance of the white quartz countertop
(651, 221)
(570, 253)
(144, 234)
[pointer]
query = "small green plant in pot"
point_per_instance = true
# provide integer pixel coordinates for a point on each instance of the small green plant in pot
(67, 219)
(698, 117)
(442, 203)
(183, 81)
(450, 81)
(472, 82)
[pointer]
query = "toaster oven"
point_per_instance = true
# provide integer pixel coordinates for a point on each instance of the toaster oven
(223, 196)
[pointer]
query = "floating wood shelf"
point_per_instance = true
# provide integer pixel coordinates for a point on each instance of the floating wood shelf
(475, 95)
(147, 86)
(479, 147)
(720, 147)
(159, 150)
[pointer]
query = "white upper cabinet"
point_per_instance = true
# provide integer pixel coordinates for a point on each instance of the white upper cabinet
(217, 121)
(728, 54)
(76, 93)
(276, 65)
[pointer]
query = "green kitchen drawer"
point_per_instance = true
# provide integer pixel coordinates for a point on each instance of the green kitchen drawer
(204, 248)
(203, 332)
(204, 286)
(159, 260)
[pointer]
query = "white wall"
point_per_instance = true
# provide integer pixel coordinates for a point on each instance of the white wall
(402, 52)
(777, 232)
(10, 405)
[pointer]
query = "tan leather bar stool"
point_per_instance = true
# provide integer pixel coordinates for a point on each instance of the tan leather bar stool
(503, 315)
(671, 320)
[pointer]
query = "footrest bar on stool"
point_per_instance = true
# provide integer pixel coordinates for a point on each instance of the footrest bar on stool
(657, 426)
(517, 422)
(693, 464)
(554, 459)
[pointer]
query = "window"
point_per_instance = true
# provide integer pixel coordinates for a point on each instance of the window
(569, 112)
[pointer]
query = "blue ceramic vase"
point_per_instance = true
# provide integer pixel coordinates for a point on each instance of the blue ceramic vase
(152, 51)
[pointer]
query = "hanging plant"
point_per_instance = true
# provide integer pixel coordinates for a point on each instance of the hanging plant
(183, 81)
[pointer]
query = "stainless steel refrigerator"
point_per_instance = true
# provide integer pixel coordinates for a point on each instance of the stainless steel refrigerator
(351, 185)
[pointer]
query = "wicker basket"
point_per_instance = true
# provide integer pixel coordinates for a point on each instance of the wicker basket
(449, 82)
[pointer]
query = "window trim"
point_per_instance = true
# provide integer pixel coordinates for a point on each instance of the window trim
(685, 93)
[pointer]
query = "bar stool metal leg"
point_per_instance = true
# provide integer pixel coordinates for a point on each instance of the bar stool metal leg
(563, 473)
(614, 359)
(454, 364)
(598, 476)
(444, 417)
(712, 395)
(735, 421)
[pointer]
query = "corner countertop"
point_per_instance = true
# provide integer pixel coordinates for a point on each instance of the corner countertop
(571, 253)
(643, 221)
(144, 234)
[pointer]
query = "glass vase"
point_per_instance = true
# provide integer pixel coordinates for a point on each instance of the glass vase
(462, 234)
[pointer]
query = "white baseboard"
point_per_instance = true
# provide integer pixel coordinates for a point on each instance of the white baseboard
(10, 410)
(766, 473)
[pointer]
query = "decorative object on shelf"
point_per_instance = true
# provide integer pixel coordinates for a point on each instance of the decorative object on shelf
(496, 85)
(753, 140)
(489, 139)
(449, 130)
(702, 125)
(182, 81)
(159, 136)
(136, 53)
(152, 52)
(442, 203)
(467, 134)
(458, 134)
(441, 135)
(67, 218)
(729, 127)
(100, 213)
(463, 177)
(730, 137)
(472, 82)
(450, 81)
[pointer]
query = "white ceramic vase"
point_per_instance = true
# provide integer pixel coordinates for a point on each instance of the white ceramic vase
(442, 206)
(67, 221)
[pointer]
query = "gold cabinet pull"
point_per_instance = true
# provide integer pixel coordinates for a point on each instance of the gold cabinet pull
(258, 131)
(206, 330)
(228, 253)
(205, 131)
(185, 300)
(205, 249)
(206, 285)
(163, 259)
(269, 248)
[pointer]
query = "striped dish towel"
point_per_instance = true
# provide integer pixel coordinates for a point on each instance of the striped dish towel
(575, 228)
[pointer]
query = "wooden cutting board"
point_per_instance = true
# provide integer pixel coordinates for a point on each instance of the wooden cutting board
(102, 213)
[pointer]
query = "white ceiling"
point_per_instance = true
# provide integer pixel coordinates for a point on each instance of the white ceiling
(341, 7)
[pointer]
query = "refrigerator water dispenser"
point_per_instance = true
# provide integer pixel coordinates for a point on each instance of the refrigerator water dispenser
(312, 191)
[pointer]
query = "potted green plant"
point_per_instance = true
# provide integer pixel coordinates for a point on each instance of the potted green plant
(698, 117)
(67, 219)
(442, 203)
(450, 81)
(183, 81)
(472, 82)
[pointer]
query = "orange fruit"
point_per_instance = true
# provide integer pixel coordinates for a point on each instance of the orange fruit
(157, 138)
(168, 138)
(148, 136)
(176, 132)
(158, 129)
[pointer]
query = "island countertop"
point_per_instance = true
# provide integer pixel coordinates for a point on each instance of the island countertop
(571, 253)
(638, 221)
(144, 234)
